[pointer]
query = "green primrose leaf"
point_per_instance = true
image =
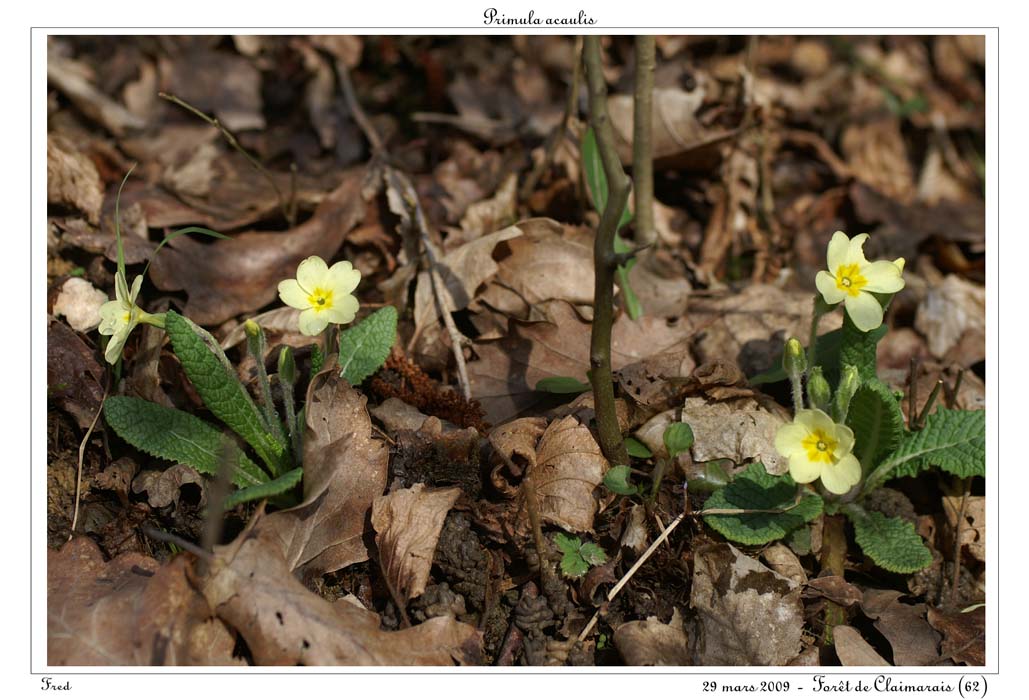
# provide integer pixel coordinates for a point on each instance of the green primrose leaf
(678, 438)
(593, 554)
(857, 348)
(952, 439)
(176, 436)
(284, 483)
(877, 422)
(363, 348)
(892, 543)
(562, 385)
(223, 394)
(755, 489)
(637, 449)
(617, 479)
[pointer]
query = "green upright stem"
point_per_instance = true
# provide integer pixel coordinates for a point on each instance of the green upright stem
(604, 260)
(642, 141)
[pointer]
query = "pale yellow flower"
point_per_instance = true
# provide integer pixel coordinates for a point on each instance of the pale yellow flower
(322, 293)
(119, 316)
(851, 279)
(816, 447)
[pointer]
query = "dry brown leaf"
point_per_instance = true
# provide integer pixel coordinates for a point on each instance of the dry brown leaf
(973, 530)
(491, 214)
(738, 429)
(877, 156)
(226, 278)
(130, 611)
(407, 525)
(569, 465)
(913, 640)
(504, 377)
(651, 642)
(74, 79)
(216, 81)
(676, 130)
(835, 588)
(72, 179)
(751, 328)
(784, 562)
(396, 415)
(549, 261)
(964, 634)
(853, 650)
(951, 310)
(253, 589)
(344, 471)
(165, 487)
(748, 614)
(80, 302)
(462, 271)
(280, 326)
(517, 441)
(74, 378)
(346, 48)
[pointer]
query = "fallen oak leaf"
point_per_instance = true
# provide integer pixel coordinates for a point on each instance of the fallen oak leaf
(344, 471)
(407, 523)
(128, 611)
(569, 466)
(252, 587)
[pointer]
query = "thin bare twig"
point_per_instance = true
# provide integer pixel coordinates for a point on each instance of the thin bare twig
(78, 474)
(288, 210)
(400, 183)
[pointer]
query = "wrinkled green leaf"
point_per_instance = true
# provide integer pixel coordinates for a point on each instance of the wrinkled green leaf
(566, 543)
(284, 483)
(952, 439)
(224, 395)
(857, 348)
(892, 543)
(593, 554)
(877, 422)
(176, 436)
(363, 348)
(757, 490)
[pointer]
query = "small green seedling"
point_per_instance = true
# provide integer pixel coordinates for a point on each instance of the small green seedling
(562, 385)
(578, 556)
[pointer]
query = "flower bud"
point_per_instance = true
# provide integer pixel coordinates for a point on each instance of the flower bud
(850, 380)
(252, 328)
(819, 393)
(287, 366)
(793, 359)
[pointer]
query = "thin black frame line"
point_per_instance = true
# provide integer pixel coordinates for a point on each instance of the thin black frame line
(456, 672)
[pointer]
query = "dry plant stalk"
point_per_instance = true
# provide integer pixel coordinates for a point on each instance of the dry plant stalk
(643, 143)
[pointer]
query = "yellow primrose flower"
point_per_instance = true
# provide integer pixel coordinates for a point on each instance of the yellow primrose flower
(851, 278)
(817, 447)
(322, 293)
(119, 316)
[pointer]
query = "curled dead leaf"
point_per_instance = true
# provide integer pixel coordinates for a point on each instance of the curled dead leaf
(569, 466)
(407, 523)
(651, 642)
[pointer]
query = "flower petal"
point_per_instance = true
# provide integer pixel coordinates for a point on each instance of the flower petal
(312, 322)
(826, 284)
(311, 273)
(343, 311)
(292, 295)
(788, 439)
(864, 311)
(883, 276)
(814, 419)
(117, 343)
(343, 278)
(841, 477)
(134, 292)
(844, 440)
(803, 470)
(855, 254)
(110, 314)
(837, 251)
